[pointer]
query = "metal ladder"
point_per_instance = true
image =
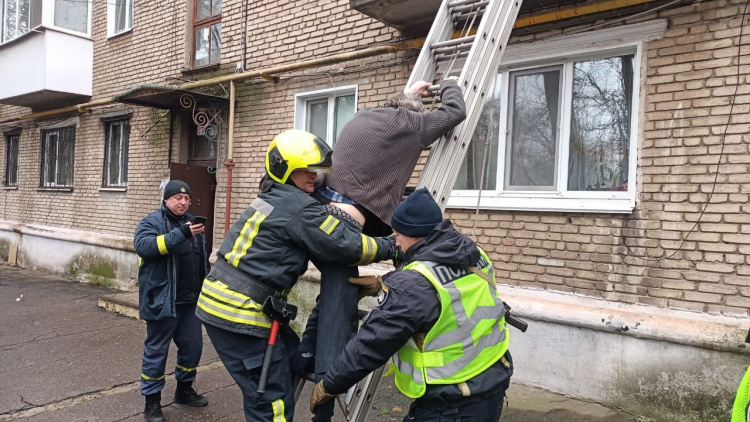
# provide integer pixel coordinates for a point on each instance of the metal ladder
(478, 54)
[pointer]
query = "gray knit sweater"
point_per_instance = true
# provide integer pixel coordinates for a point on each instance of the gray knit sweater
(378, 149)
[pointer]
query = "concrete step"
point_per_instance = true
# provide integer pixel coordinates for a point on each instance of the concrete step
(125, 303)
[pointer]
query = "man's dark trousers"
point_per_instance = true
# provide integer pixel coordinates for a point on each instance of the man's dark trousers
(185, 330)
(242, 356)
(487, 410)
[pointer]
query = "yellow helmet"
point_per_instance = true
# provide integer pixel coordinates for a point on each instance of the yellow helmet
(296, 149)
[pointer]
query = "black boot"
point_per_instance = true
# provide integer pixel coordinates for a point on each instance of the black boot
(152, 412)
(185, 394)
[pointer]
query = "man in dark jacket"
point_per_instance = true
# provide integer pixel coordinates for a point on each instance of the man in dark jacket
(440, 319)
(373, 159)
(172, 252)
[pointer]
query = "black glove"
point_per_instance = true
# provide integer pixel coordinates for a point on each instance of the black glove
(185, 229)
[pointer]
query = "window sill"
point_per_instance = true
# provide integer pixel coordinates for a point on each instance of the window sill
(618, 203)
(113, 189)
(119, 34)
(192, 70)
(54, 189)
(10, 187)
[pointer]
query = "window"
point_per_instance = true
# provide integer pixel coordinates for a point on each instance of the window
(72, 15)
(11, 160)
(58, 146)
(119, 17)
(325, 112)
(206, 32)
(15, 22)
(558, 132)
(116, 153)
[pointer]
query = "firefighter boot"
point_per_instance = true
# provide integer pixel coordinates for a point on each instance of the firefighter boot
(186, 394)
(152, 411)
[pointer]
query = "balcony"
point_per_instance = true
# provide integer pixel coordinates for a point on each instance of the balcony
(46, 54)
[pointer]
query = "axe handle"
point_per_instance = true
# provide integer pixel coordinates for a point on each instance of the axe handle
(267, 357)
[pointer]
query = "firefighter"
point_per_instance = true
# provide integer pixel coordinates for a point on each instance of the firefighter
(741, 409)
(260, 260)
(440, 319)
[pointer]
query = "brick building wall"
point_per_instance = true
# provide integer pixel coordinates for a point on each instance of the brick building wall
(687, 84)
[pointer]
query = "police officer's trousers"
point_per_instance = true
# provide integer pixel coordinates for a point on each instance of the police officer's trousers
(487, 410)
(185, 330)
(242, 356)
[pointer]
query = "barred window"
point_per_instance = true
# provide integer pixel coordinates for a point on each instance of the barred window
(11, 160)
(58, 146)
(116, 153)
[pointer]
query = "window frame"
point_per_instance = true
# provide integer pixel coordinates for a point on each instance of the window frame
(567, 50)
(48, 19)
(124, 145)
(8, 137)
(197, 24)
(302, 100)
(112, 18)
(3, 7)
(56, 185)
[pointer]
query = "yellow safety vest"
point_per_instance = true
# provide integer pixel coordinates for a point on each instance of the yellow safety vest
(741, 409)
(469, 336)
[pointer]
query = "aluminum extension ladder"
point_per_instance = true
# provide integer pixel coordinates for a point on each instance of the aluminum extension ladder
(449, 44)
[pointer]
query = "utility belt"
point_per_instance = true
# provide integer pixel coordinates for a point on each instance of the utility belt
(274, 304)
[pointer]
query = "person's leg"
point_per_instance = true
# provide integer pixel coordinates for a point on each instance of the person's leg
(242, 356)
(155, 348)
(337, 322)
(487, 410)
(189, 341)
(303, 360)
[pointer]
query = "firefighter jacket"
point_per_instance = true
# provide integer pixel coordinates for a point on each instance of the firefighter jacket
(270, 246)
(411, 305)
(156, 238)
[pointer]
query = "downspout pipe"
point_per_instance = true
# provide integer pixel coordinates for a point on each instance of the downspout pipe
(229, 163)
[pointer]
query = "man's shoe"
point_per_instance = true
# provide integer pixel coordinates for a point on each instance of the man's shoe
(185, 394)
(152, 411)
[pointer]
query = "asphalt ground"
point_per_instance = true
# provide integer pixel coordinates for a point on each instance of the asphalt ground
(62, 358)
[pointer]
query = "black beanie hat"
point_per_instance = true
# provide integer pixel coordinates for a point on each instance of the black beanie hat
(418, 215)
(176, 186)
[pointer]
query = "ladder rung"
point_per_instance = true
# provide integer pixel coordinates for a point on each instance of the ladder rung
(451, 43)
(470, 7)
(458, 3)
(446, 57)
(433, 88)
(466, 16)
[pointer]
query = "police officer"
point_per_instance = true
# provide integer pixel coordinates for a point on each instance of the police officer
(741, 408)
(172, 251)
(441, 320)
(260, 260)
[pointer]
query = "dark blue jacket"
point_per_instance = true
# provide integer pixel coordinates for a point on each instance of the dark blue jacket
(410, 305)
(156, 239)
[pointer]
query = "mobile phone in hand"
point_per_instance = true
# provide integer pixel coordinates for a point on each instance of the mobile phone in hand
(199, 220)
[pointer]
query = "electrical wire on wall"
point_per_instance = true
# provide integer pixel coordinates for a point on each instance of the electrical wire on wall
(718, 163)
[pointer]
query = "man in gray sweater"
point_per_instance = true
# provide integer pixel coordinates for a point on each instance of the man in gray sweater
(373, 160)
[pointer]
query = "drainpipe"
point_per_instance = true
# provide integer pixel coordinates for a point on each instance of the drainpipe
(229, 163)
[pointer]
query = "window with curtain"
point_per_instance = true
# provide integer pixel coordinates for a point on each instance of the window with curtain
(58, 147)
(325, 113)
(15, 18)
(206, 32)
(72, 15)
(117, 137)
(119, 16)
(11, 160)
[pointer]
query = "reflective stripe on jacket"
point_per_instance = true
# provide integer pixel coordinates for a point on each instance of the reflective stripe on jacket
(469, 336)
(271, 243)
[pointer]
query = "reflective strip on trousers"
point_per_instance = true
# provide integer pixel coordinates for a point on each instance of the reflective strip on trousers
(147, 378)
(182, 368)
(161, 244)
(278, 411)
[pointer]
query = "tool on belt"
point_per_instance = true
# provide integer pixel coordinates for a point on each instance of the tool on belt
(279, 312)
(513, 321)
(275, 306)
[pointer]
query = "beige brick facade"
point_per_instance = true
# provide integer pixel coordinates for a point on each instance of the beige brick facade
(688, 82)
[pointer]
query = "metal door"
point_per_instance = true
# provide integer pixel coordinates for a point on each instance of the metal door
(203, 187)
